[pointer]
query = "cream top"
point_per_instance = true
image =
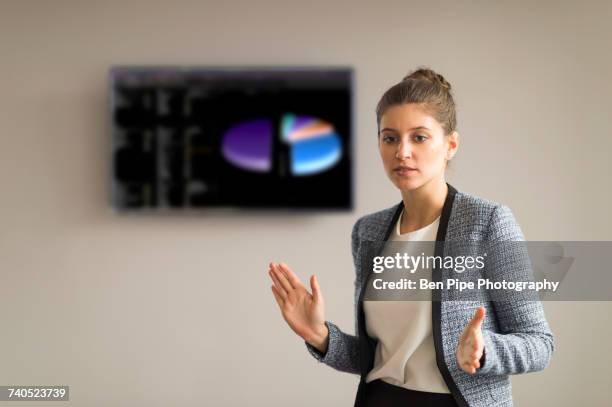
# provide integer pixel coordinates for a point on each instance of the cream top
(405, 355)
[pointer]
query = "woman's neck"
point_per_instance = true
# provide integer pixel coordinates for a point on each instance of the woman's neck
(422, 206)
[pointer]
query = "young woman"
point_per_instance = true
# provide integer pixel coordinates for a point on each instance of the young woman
(424, 353)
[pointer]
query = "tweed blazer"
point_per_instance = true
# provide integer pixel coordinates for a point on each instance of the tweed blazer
(517, 338)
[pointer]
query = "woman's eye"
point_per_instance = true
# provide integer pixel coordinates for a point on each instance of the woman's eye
(389, 139)
(420, 138)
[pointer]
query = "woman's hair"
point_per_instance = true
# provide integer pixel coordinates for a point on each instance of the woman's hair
(426, 87)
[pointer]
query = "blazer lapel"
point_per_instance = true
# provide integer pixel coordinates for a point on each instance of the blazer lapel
(436, 301)
(366, 344)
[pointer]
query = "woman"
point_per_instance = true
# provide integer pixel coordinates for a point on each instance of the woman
(432, 352)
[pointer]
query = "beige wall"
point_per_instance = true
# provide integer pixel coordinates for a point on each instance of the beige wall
(157, 311)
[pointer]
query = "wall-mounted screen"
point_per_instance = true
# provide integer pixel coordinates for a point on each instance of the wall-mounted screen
(196, 138)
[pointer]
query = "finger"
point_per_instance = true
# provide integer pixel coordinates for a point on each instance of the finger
(277, 297)
(473, 361)
(283, 280)
(277, 284)
(316, 289)
(290, 275)
(478, 317)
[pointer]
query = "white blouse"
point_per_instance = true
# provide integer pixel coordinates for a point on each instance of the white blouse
(405, 355)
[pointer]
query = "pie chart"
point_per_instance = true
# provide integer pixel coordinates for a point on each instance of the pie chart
(248, 145)
(314, 146)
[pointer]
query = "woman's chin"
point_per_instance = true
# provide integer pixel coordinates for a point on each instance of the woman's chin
(407, 184)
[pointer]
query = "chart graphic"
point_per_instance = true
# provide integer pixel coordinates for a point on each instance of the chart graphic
(197, 137)
(248, 145)
(313, 144)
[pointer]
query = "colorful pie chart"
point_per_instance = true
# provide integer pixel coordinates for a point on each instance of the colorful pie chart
(248, 145)
(314, 145)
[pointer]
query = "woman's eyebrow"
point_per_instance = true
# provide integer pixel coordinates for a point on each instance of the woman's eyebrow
(414, 128)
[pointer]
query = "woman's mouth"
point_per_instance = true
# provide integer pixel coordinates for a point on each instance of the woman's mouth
(404, 171)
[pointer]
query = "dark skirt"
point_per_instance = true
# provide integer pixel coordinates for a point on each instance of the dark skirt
(382, 394)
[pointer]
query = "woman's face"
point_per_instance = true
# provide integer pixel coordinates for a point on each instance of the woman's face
(413, 146)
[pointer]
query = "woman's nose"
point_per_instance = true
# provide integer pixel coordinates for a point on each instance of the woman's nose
(404, 151)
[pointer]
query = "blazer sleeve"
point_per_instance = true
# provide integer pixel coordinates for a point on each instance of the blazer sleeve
(524, 342)
(343, 349)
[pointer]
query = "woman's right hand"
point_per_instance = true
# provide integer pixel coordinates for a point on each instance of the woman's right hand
(304, 312)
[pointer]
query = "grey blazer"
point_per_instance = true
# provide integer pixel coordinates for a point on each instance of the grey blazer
(516, 334)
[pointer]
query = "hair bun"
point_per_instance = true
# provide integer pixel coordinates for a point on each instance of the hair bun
(428, 75)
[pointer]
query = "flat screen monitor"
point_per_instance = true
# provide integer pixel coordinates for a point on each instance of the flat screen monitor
(193, 138)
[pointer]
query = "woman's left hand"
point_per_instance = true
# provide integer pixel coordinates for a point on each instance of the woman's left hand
(471, 343)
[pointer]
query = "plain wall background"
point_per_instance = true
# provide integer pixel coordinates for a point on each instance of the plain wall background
(171, 310)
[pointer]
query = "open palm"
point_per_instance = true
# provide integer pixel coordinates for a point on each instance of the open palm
(303, 311)
(471, 344)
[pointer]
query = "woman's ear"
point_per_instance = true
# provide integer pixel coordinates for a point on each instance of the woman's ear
(453, 145)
